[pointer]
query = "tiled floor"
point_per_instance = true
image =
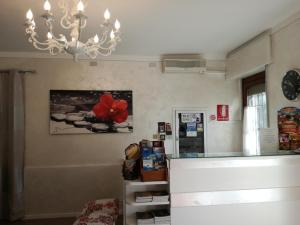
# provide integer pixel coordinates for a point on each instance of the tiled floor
(64, 221)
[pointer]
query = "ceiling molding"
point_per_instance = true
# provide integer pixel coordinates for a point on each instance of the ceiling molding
(135, 58)
(39, 55)
(293, 19)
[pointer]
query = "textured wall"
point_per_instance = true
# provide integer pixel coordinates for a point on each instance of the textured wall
(64, 171)
(286, 55)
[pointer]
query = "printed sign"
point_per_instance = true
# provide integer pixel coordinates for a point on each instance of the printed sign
(190, 118)
(191, 130)
(222, 112)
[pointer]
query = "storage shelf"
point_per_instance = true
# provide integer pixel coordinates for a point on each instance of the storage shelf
(132, 221)
(131, 207)
(131, 201)
(140, 183)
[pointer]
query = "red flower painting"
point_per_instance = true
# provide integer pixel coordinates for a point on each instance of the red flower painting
(110, 109)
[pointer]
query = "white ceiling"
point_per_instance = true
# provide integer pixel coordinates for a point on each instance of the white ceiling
(155, 27)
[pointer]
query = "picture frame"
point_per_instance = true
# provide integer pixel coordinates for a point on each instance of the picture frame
(161, 127)
(90, 111)
(162, 137)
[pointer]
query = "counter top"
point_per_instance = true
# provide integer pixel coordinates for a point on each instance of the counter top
(232, 154)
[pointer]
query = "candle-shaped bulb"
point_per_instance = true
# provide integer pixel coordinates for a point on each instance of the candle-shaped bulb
(112, 35)
(29, 14)
(80, 6)
(47, 5)
(63, 38)
(96, 38)
(49, 35)
(117, 25)
(106, 14)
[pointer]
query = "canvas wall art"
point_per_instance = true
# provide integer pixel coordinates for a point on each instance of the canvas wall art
(87, 112)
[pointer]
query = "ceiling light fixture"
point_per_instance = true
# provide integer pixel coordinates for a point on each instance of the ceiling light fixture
(73, 19)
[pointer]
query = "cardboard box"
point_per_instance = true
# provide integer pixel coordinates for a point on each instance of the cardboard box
(154, 175)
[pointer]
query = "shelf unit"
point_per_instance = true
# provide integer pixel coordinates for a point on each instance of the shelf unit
(130, 207)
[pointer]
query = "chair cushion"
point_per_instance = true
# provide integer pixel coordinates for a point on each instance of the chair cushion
(95, 218)
(99, 212)
(108, 206)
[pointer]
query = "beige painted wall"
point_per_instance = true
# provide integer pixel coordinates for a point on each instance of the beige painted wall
(64, 171)
(286, 55)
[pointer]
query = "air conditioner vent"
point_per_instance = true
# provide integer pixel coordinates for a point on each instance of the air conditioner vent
(183, 63)
(187, 64)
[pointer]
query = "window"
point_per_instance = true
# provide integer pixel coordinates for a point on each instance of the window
(255, 111)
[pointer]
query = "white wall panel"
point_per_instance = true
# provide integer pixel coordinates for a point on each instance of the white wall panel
(235, 191)
(193, 175)
(274, 213)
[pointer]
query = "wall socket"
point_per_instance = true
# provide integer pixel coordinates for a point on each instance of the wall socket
(93, 63)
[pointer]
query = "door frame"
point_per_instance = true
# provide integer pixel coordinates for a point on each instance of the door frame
(175, 112)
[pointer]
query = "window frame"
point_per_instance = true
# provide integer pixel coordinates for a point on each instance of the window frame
(248, 82)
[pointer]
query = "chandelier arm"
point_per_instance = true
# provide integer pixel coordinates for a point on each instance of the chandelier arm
(79, 28)
(83, 24)
(64, 21)
(67, 25)
(90, 45)
(108, 52)
(94, 53)
(36, 45)
(107, 28)
(32, 38)
(49, 25)
(48, 46)
(90, 42)
(102, 48)
(43, 46)
(103, 38)
(62, 38)
(30, 30)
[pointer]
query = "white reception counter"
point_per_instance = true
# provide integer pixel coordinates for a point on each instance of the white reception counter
(260, 190)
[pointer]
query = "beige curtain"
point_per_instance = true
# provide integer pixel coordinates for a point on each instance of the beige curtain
(251, 141)
(12, 145)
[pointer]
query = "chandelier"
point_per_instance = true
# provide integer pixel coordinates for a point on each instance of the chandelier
(73, 19)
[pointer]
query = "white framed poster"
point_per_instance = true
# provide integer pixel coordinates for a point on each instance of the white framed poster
(190, 131)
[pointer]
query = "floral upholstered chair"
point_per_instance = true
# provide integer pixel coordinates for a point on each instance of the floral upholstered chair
(99, 212)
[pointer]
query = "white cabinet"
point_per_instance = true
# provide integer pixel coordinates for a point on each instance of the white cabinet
(130, 207)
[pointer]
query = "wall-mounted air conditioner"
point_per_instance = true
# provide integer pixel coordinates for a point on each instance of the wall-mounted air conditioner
(183, 63)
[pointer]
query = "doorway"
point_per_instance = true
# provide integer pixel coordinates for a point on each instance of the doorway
(190, 132)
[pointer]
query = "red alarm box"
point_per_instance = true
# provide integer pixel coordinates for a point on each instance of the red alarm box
(222, 112)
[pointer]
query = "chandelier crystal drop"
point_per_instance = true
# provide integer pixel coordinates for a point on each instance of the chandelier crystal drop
(74, 20)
